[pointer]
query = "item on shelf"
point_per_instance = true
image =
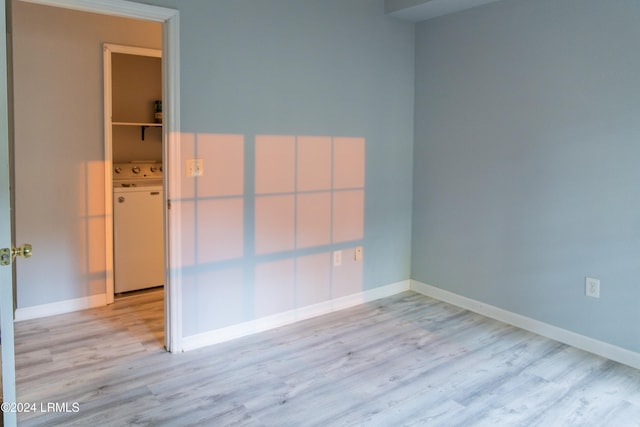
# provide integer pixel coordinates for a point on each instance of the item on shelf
(158, 111)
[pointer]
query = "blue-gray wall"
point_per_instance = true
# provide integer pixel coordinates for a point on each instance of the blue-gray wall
(526, 166)
(289, 67)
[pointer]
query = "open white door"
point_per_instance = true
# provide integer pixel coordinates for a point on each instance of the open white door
(6, 272)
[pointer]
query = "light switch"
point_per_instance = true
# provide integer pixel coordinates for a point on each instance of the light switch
(195, 167)
(337, 258)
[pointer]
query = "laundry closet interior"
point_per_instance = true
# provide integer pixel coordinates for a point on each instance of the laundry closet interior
(133, 142)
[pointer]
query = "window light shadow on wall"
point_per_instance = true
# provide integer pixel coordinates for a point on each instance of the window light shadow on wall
(90, 249)
(59, 230)
(309, 196)
(212, 229)
(215, 200)
(252, 251)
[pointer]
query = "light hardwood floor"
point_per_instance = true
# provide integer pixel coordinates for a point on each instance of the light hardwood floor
(403, 360)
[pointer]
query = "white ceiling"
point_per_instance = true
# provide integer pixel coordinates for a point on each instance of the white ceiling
(421, 10)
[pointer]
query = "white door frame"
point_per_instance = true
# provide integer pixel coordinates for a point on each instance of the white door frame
(170, 135)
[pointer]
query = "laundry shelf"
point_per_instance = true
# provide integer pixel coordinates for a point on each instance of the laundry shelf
(143, 126)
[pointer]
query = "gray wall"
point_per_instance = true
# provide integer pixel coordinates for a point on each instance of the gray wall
(526, 161)
(281, 67)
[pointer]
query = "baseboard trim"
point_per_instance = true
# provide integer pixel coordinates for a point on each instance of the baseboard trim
(281, 319)
(60, 307)
(573, 339)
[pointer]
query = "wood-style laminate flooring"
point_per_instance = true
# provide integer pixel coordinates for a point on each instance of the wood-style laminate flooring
(402, 360)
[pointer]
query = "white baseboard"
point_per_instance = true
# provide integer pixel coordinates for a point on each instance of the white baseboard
(573, 339)
(61, 307)
(286, 318)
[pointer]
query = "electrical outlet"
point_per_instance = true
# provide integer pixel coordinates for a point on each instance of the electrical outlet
(592, 287)
(337, 258)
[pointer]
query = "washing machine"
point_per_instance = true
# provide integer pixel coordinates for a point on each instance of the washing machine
(138, 226)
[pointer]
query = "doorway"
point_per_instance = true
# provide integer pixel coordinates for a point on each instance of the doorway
(90, 169)
(134, 164)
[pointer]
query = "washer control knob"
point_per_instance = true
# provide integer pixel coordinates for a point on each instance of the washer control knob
(118, 170)
(135, 169)
(153, 169)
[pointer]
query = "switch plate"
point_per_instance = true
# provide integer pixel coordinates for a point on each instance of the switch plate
(337, 258)
(357, 254)
(195, 167)
(592, 287)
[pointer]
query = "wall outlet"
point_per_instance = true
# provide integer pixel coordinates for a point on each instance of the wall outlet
(337, 258)
(357, 254)
(195, 167)
(592, 287)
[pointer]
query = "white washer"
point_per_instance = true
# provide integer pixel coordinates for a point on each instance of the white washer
(138, 226)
